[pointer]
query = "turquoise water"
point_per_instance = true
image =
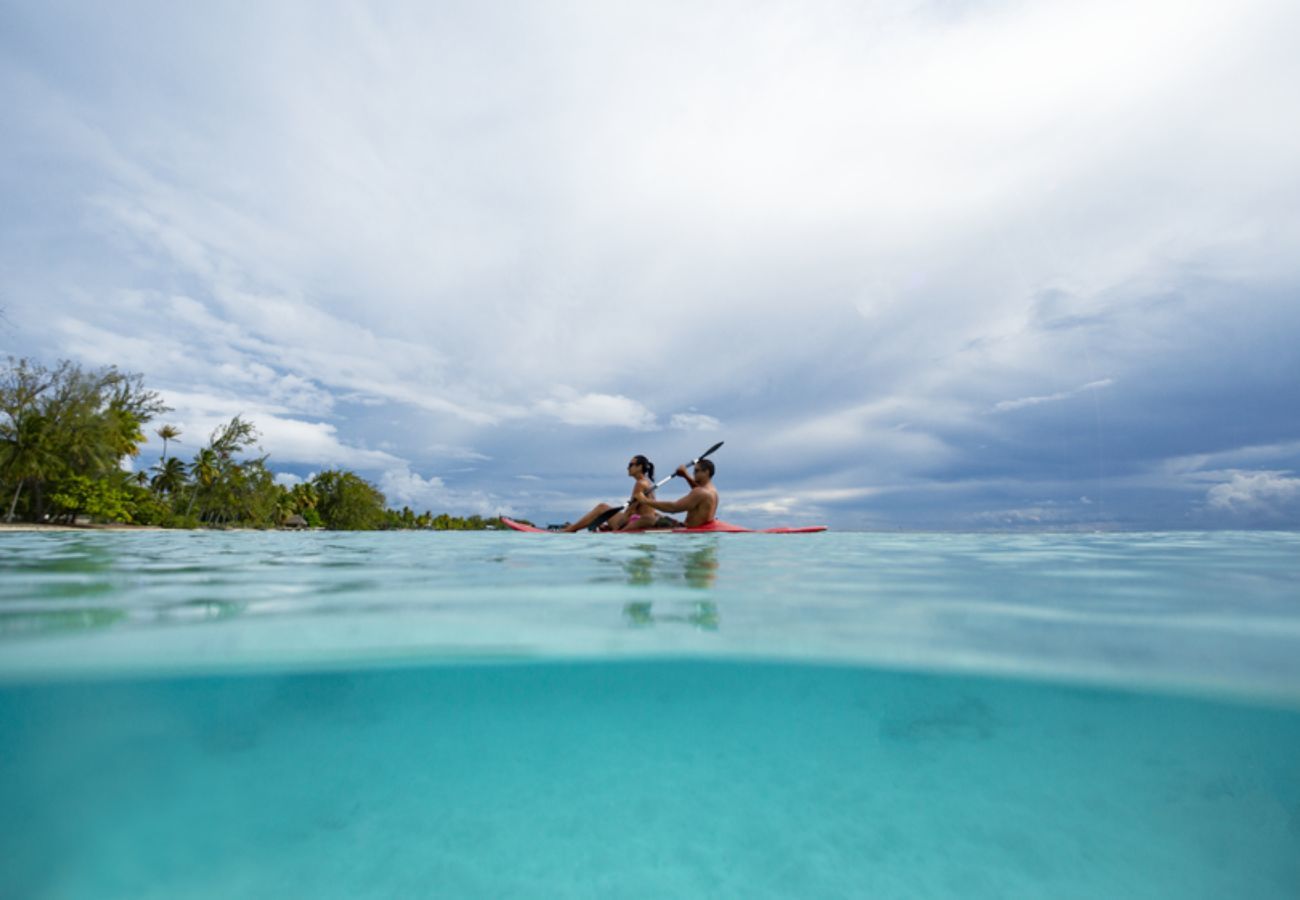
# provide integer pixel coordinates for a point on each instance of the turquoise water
(489, 715)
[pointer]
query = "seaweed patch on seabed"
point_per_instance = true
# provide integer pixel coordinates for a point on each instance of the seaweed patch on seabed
(965, 719)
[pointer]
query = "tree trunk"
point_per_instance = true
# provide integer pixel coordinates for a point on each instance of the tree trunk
(14, 503)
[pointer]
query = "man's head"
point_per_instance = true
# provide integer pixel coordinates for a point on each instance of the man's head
(704, 470)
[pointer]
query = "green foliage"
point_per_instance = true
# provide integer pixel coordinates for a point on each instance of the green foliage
(147, 508)
(169, 476)
(98, 498)
(64, 423)
(229, 491)
(443, 522)
(347, 502)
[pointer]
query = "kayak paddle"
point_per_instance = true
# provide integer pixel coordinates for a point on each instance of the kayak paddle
(610, 513)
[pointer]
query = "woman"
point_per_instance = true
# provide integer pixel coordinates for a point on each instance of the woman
(634, 516)
(637, 515)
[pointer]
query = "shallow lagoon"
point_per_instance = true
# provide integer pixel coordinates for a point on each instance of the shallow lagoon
(833, 715)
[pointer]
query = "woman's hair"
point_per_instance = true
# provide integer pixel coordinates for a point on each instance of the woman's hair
(646, 466)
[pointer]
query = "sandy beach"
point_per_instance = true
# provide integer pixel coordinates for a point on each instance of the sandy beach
(31, 526)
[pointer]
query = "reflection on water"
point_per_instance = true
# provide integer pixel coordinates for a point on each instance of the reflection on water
(703, 615)
(696, 566)
(656, 563)
(67, 584)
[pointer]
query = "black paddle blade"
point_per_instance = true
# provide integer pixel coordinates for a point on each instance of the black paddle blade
(604, 517)
(709, 452)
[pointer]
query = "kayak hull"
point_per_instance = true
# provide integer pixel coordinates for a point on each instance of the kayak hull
(714, 527)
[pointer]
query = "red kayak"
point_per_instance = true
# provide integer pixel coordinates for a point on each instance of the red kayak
(714, 526)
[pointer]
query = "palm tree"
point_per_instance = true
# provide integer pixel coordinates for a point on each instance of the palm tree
(170, 476)
(284, 505)
(168, 433)
(205, 469)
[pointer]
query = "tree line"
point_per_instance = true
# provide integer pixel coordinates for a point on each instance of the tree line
(66, 433)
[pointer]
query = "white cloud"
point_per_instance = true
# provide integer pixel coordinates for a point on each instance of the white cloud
(1252, 492)
(317, 443)
(447, 451)
(403, 487)
(1009, 405)
(286, 439)
(600, 410)
(694, 422)
(775, 506)
(805, 501)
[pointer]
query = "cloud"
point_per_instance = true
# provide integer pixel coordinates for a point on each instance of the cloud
(284, 438)
(803, 501)
(445, 451)
(317, 443)
(1255, 492)
(598, 410)
(694, 422)
(403, 487)
(1009, 405)
(775, 506)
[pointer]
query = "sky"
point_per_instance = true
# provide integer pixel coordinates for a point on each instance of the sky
(921, 264)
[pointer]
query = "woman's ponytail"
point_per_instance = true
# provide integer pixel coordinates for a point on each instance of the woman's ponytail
(646, 466)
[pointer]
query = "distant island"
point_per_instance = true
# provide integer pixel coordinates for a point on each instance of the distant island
(66, 431)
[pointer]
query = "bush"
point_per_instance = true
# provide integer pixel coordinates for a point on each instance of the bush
(98, 498)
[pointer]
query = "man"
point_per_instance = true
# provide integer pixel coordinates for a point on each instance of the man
(700, 505)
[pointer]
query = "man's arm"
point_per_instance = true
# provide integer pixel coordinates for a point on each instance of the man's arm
(682, 505)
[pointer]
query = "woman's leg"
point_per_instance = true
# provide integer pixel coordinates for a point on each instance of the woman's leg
(590, 517)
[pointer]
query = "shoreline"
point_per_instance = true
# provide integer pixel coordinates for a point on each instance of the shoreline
(43, 526)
